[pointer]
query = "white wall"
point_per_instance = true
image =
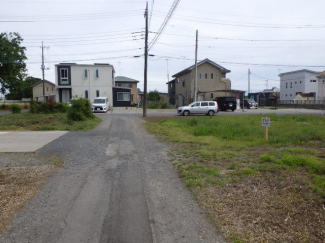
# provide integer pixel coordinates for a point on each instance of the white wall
(297, 82)
(79, 83)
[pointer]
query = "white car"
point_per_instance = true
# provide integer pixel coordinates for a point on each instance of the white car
(100, 104)
(199, 107)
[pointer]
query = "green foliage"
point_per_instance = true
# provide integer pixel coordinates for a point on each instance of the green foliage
(12, 65)
(153, 96)
(15, 108)
(310, 162)
(47, 107)
(80, 110)
(267, 158)
(157, 105)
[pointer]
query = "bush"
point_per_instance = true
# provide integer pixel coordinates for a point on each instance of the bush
(267, 158)
(47, 107)
(80, 110)
(61, 107)
(15, 109)
(158, 105)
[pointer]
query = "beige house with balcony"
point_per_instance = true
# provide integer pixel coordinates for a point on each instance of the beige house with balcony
(124, 82)
(211, 77)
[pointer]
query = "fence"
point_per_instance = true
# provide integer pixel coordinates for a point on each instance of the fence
(308, 104)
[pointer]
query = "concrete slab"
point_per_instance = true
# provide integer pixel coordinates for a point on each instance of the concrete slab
(27, 141)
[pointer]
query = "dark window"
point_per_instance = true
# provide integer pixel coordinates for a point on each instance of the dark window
(97, 73)
(200, 75)
(86, 94)
(286, 95)
(123, 96)
(211, 95)
(47, 88)
(52, 88)
(132, 96)
(97, 93)
(86, 73)
(64, 75)
(211, 75)
(183, 84)
(300, 81)
(204, 104)
(295, 82)
(196, 104)
(212, 104)
(206, 76)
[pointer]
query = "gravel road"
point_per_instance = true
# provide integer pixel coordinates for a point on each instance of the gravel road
(118, 186)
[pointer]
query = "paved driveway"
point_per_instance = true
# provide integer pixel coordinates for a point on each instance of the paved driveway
(27, 141)
(117, 185)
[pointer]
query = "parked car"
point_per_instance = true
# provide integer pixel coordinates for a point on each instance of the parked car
(199, 107)
(227, 103)
(100, 104)
(249, 104)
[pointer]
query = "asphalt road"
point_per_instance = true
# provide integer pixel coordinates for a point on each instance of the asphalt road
(118, 186)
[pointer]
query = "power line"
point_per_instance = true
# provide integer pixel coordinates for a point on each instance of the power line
(67, 2)
(165, 22)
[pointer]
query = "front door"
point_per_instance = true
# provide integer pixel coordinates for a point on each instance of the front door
(65, 96)
(196, 108)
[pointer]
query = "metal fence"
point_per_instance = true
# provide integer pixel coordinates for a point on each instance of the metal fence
(309, 104)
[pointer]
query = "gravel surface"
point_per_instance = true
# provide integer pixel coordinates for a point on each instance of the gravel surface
(117, 185)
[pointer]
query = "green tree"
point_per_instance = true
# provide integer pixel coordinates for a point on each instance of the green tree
(153, 96)
(12, 65)
(26, 86)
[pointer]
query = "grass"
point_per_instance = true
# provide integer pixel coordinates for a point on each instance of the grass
(225, 160)
(7, 106)
(44, 122)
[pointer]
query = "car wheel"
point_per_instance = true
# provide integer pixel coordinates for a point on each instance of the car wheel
(211, 113)
(186, 113)
(233, 109)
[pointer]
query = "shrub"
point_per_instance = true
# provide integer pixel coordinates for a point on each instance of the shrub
(80, 110)
(15, 109)
(60, 107)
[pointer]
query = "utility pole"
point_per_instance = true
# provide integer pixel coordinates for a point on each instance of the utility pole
(145, 65)
(167, 71)
(249, 81)
(43, 71)
(267, 84)
(195, 79)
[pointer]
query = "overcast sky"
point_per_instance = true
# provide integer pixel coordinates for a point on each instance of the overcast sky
(287, 35)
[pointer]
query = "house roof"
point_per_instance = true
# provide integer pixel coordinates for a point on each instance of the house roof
(298, 71)
(46, 81)
(171, 81)
(223, 70)
(123, 79)
(321, 75)
(76, 64)
(306, 94)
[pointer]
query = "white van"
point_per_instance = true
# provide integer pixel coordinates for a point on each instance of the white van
(100, 104)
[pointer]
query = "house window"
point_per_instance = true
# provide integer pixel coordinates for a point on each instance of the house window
(97, 73)
(86, 94)
(200, 75)
(295, 82)
(64, 76)
(123, 96)
(47, 88)
(211, 96)
(286, 95)
(183, 84)
(97, 93)
(300, 81)
(211, 75)
(206, 76)
(86, 73)
(313, 81)
(290, 94)
(52, 88)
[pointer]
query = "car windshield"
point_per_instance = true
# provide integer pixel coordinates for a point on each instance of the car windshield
(251, 100)
(99, 101)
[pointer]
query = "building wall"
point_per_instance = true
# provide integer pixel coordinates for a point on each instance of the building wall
(321, 89)
(38, 90)
(134, 91)
(292, 83)
(80, 83)
(299, 97)
(203, 84)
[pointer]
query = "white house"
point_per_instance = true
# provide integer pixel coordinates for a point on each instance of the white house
(84, 80)
(300, 81)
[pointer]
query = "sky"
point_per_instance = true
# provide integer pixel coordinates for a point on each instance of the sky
(267, 37)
